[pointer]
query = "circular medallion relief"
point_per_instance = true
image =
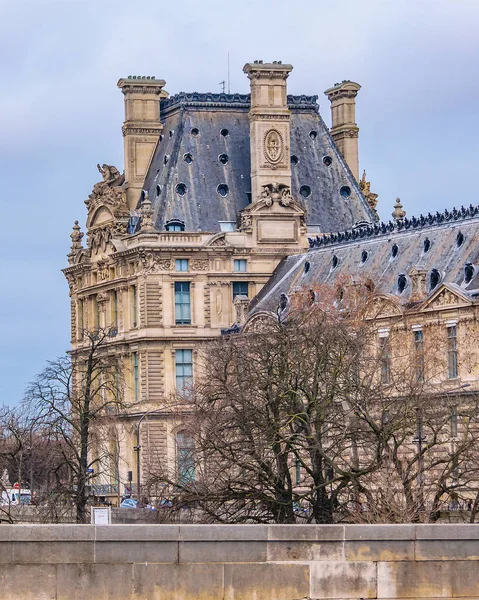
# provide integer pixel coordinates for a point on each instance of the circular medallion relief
(273, 146)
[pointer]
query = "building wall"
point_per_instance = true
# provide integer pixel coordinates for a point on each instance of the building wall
(236, 562)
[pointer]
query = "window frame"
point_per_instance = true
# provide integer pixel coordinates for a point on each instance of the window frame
(185, 457)
(419, 354)
(240, 262)
(452, 352)
(240, 283)
(385, 359)
(183, 369)
(136, 376)
(134, 306)
(181, 262)
(182, 307)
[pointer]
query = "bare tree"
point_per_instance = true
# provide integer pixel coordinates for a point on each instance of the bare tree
(308, 418)
(76, 399)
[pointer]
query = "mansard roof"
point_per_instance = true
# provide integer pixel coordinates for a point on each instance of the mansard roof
(440, 246)
(200, 172)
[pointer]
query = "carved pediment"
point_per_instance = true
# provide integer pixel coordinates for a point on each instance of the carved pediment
(446, 296)
(260, 322)
(384, 306)
(107, 197)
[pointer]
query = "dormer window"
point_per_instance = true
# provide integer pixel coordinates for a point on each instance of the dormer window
(434, 278)
(468, 272)
(175, 225)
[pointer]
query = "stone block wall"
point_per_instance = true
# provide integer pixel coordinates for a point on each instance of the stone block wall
(239, 562)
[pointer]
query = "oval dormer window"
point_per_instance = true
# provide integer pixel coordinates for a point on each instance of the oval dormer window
(434, 279)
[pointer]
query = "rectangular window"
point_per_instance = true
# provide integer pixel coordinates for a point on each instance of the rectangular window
(136, 379)
(185, 445)
(239, 265)
(134, 305)
(419, 351)
(452, 351)
(385, 360)
(114, 309)
(182, 303)
(97, 314)
(184, 370)
(182, 265)
(240, 288)
(81, 318)
(454, 422)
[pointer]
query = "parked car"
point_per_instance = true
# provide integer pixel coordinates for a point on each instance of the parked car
(129, 503)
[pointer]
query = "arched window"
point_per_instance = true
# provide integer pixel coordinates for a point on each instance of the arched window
(185, 453)
(175, 225)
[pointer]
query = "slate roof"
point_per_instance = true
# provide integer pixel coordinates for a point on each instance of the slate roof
(202, 207)
(452, 237)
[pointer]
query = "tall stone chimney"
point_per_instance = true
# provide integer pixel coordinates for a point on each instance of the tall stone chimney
(141, 129)
(269, 125)
(343, 117)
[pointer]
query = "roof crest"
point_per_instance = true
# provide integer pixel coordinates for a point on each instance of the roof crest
(366, 230)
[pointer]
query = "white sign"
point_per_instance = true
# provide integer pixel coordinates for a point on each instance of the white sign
(100, 515)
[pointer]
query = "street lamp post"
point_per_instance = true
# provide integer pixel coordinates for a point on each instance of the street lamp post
(137, 449)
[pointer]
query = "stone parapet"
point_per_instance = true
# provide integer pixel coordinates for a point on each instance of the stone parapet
(267, 562)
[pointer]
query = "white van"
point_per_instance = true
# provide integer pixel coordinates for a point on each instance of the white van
(16, 496)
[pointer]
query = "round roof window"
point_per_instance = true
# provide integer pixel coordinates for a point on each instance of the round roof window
(223, 158)
(180, 189)
(327, 160)
(313, 134)
(394, 251)
(345, 191)
(222, 189)
(194, 131)
(305, 191)
(188, 158)
(224, 132)
(294, 160)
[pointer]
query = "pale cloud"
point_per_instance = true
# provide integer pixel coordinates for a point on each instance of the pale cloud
(61, 113)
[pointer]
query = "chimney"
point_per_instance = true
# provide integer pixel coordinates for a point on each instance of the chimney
(141, 129)
(343, 117)
(269, 125)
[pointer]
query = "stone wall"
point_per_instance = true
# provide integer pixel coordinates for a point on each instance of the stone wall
(251, 562)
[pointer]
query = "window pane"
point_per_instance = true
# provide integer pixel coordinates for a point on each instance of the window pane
(419, 350)
(385, 360)
(239, 266)
(452, 352)
(186, 457)
(182, 303)
(184, 370)
(182, 264)
(240, 288)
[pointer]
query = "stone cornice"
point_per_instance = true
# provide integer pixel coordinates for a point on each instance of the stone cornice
(230, 101)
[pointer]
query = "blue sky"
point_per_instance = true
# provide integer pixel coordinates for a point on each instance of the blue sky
(61, 114)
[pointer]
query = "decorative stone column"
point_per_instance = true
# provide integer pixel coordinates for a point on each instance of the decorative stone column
(141, 129)
(269, 125)
(343, 121)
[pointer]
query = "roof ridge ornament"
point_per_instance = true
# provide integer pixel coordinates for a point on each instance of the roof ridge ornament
(371, 198)
(146, 225)
(398, 213)
(398, 225)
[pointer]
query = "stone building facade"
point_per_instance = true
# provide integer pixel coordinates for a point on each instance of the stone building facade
(217, 190)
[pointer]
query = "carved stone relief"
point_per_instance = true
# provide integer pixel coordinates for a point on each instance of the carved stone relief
(273, 146)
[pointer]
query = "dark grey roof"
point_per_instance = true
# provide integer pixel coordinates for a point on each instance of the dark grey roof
(202, 207)
(452, 238)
